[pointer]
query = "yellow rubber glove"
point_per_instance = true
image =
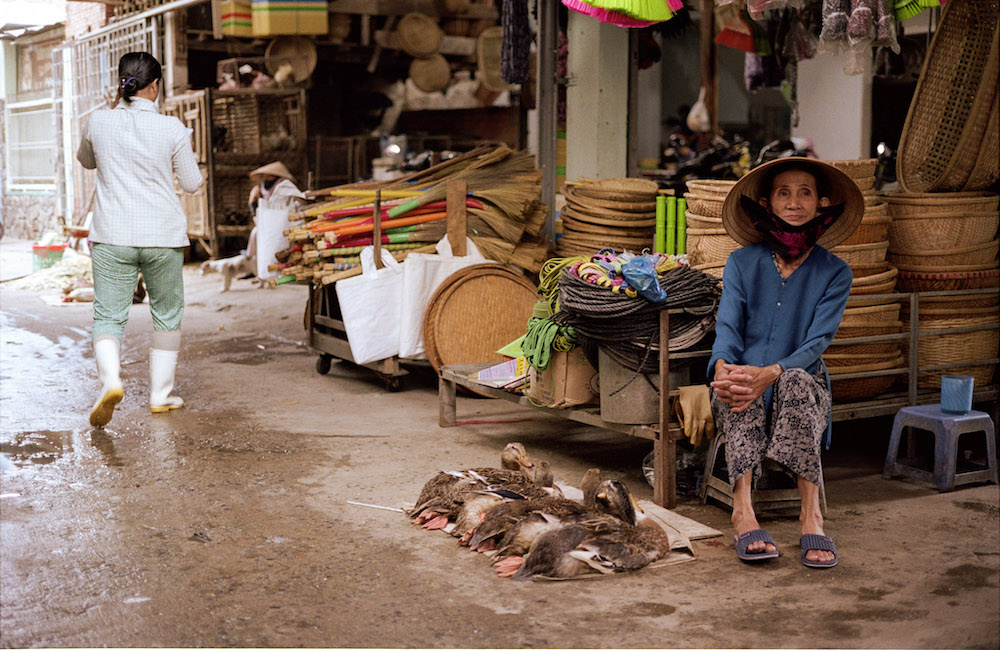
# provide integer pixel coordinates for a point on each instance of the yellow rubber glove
(694, 413)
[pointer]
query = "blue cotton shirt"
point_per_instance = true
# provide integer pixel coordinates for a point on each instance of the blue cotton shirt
(764, 318)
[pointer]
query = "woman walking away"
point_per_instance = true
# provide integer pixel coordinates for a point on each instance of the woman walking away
(138, 226)
(782, 300)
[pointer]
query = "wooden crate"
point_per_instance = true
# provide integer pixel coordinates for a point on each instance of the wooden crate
(257, 122)
(190, 109)
(195, 206)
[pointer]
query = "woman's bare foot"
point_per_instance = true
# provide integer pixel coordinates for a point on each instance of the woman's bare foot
(745, 521)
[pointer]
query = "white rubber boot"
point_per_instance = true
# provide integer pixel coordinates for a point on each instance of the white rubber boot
(107, 353)
(162, 364)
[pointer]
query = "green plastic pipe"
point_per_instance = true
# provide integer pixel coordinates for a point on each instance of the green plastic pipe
(682, 226)
(659, 238)
(671, 225)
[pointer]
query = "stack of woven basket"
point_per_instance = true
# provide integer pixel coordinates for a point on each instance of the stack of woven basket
(617, 213)
(708, 243)
(948, 242)
(865, 252)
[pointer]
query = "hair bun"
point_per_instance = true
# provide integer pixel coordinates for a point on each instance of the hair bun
(130, 85)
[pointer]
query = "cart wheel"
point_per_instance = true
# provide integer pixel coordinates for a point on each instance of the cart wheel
(391, 383)
(323, 363)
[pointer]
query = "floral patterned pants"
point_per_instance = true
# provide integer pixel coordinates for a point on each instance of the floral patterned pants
(790, 435)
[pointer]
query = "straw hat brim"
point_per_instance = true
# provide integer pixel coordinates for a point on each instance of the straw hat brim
(841, 188)
(274, 169)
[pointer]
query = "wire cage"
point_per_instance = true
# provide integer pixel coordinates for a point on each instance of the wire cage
(254, 122)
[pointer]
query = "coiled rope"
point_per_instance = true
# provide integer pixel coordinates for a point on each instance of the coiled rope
(627, 329)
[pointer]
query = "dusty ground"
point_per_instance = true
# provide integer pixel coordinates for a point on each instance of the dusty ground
(227, 523)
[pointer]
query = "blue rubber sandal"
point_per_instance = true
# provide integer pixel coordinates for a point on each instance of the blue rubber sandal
(748, 538)
(810, 542)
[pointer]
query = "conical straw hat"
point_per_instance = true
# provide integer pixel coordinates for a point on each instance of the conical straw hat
(276, 168)
(840, 188)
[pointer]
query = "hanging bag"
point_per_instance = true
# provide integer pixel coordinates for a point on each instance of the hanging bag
(370, 304)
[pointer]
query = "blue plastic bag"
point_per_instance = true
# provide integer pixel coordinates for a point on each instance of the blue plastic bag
(640, 273)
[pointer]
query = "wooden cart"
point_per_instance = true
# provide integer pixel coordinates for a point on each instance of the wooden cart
(325, 323)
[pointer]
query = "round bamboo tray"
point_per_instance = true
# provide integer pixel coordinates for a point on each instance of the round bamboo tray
(704, 205)
(418, 35)
(939, 349)
(573, 195)
(697, 221)
(954, 281)
(870, 231)
(865, 350)
(949, 257)
(861, 168)
(867, 270)
(474, 312)
(928, 232)
(871, 314)
(948, 268)
(639, 190)
(872, 199)
(875, 210)
(847, 331)
(889, 286)
(956, 303)
(582, 226)
(949, 312)
(849, 390)
(636, 221)
(861, 254)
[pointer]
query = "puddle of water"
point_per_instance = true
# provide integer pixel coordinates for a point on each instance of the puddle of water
(33, 448)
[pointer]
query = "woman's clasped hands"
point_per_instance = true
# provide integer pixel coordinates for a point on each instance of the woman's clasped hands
(738, 386)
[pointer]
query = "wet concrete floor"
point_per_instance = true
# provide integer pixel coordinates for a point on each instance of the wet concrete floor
(226, 523)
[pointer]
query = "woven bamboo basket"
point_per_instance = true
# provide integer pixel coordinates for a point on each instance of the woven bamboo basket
(574, 196)
(872, 199)
(870, 231)
(879, 278)
(948, 115)
(950, 312)
(949, 257)
(866, 183)
(862, 254)
(868, 270)
(714, 269)
(856, 168)
(888, 349)
(704, 205)
(707, 246)
(956, 303)
(847, 332)
(871, 314)
(889, 286)
(940, 349)
(700, 222)
(709, 187)
(875, 210)
(902, 204)
(849, 390)
(926, 232)
(842, 359)
(916, 281)
(638, 190)
(985, 171)
(948, 268)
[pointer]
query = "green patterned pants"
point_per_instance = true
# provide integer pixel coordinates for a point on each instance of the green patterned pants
(116, 271)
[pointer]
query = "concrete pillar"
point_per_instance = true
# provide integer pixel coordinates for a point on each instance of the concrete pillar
(835, 108)
(596, 99)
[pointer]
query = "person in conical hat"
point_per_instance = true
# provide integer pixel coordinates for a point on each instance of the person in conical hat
(272, 199)
(782, 300)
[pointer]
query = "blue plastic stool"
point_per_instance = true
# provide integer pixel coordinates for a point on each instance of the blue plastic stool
(946, 429)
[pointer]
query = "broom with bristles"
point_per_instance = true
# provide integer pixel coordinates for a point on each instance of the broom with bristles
(537, 219)
(498, 222)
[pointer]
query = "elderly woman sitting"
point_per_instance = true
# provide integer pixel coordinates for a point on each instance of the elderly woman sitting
(783, 298)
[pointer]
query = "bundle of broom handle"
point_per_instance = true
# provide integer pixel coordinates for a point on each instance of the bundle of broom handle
(367, 209)
(386, 225)
(323, 225)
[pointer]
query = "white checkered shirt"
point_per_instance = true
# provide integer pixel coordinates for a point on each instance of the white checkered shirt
(136, 152)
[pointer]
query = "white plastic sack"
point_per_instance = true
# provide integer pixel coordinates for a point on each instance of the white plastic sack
(271, 239)
(370, 306)
(422, 275)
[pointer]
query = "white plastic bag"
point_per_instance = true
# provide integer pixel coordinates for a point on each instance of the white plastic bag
(271, 239)
(370, 305)
(422, 275)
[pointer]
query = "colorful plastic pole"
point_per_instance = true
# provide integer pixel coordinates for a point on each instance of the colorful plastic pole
(659, 237)
(671, 225)
(682, 226)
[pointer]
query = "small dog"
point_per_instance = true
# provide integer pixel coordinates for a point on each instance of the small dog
(230, 267)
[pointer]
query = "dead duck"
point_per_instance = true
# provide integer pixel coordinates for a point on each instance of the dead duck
(514, 515)
(443, 497)
(577, 549)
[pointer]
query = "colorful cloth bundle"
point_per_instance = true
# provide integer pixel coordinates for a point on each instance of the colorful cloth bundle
(627, 13)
